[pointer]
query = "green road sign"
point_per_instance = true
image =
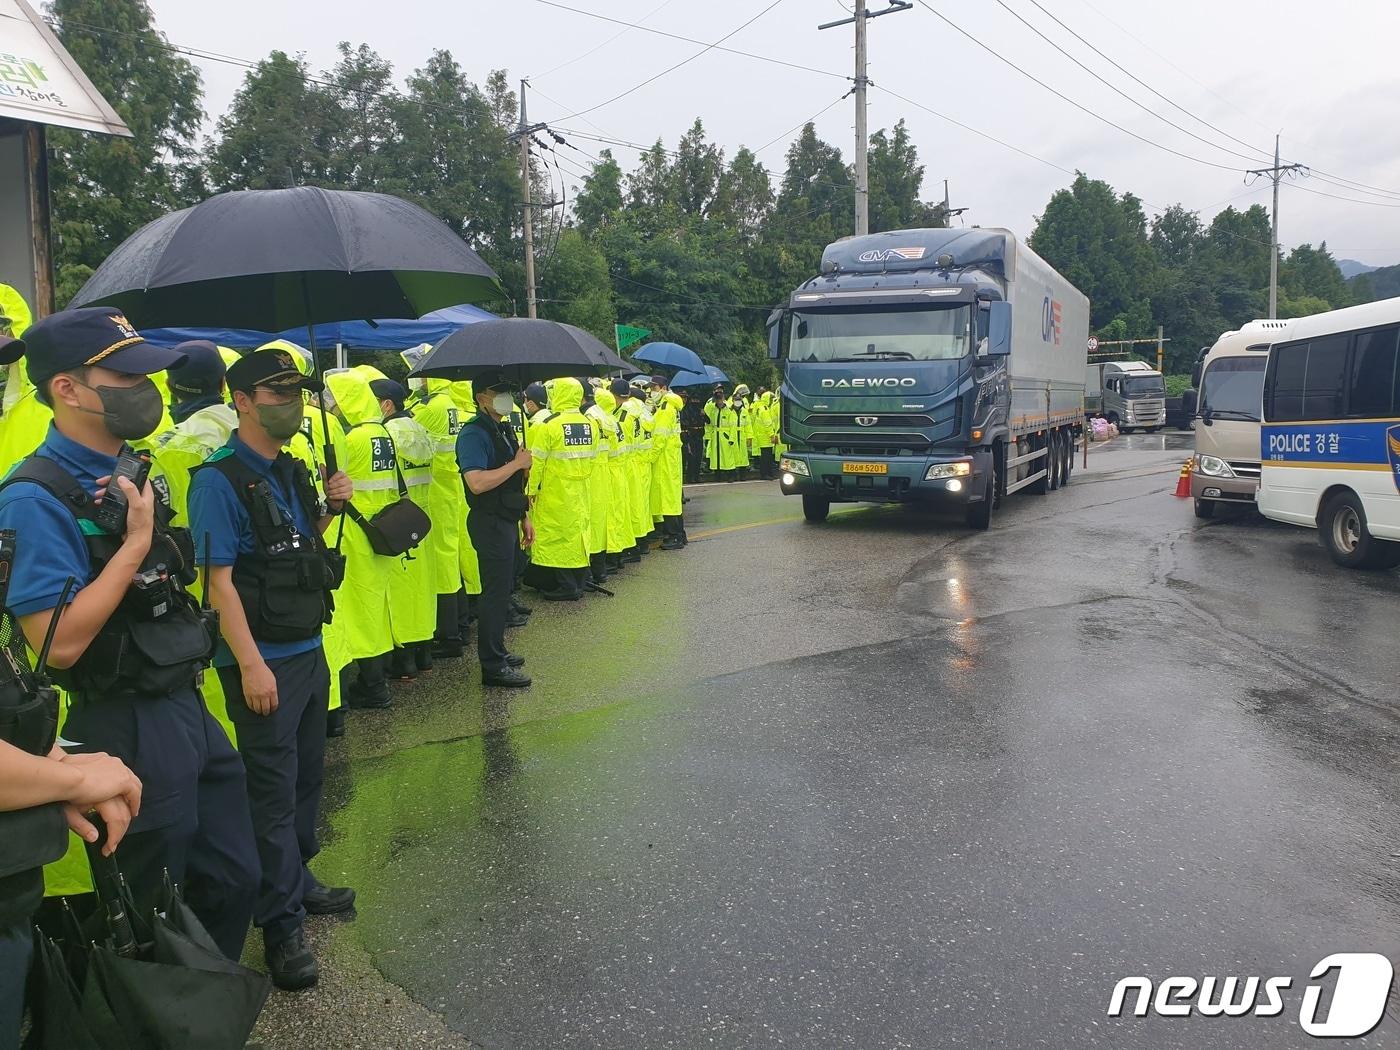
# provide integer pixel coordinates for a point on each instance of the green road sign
(628, 334)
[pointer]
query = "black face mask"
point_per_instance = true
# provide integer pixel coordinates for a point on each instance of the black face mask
(129, 412)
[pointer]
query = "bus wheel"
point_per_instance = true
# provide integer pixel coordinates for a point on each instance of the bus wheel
(1342, 529)
(815, 508)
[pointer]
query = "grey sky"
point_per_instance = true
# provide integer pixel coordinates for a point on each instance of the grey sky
(1325, 75)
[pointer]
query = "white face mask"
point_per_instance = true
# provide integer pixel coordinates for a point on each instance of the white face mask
(502, 404)
(417, 385)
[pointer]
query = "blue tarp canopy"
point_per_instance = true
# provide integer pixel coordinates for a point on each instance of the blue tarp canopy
(389, 334)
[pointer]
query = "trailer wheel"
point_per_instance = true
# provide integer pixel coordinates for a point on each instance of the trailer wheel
(1054, 459)
(815, 508)
(1069, 457)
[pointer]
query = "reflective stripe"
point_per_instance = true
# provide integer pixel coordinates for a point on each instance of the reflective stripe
(418, 477)
(447, 445)
(666, 432)
(539, 453)
(573, 453)
(377, 485)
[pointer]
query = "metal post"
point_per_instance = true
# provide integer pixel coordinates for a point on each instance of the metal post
(525, 185)
(1273, 250)
(1159, 348)
(862, 138)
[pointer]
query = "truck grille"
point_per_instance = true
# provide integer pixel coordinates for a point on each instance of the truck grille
(874, 444)
(1244, 469)
(882, 420)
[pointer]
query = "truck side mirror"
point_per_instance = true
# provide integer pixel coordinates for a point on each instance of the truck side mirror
(999, 330)
(775, 334)
(1190, 401)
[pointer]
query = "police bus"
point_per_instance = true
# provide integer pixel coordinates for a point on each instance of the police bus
(1330, 440)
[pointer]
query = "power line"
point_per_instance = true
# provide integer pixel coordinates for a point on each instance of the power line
(799, 127)
(1061, 95)
(1144, 84)
(692, 40)
(593, 50)
(671, 69)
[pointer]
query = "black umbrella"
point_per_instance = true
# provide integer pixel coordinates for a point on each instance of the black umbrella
(275, 259)
(523, 349)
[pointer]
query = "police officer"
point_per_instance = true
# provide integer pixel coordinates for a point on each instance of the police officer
(132, 642)
(255, 506)
(493, 467)
(203, 419)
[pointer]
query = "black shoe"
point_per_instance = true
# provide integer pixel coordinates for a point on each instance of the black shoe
(520, 608)
(335, 722)
(362, 701)
(673, 545)
(448, 650)
(517, 621)
(328, 900)
(510, 678)
(632, 556)
(560, 596)
(512, 660)
(290, 963)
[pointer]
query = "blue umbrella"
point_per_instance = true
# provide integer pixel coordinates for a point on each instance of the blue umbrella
(670, 355)
(682, 379)
(395, 334)
(716, 376)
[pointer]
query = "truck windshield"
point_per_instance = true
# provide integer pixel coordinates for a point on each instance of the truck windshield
(1233, 388)
(1144, 386)
(917, 333)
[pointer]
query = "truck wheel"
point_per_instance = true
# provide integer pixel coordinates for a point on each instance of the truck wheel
(1069, 457)
(1342, 528)
(815, 508)
(1042, 486)
(1205, 509)
(1057, 459)
(979, 515)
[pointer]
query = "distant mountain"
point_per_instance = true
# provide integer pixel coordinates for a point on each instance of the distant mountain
(1383, 283)
(1352, 268)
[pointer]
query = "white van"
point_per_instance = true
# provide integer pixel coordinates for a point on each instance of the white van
(1230, 385)
(1331, 434)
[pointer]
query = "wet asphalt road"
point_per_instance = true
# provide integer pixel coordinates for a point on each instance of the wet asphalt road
(883, 783)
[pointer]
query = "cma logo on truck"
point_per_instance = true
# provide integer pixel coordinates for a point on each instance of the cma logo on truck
(1051, 320)
(1359, 996)
(866, 383)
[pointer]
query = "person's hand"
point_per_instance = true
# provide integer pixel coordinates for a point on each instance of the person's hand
(115, 813)
(523, 460)
(140, 509)
(339, 488)
(259, 688)
(103, 776)
(527, 529)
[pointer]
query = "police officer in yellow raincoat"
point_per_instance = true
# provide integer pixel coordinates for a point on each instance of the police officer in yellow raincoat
(666, 470)
(614, 452)
(362, 603)
(201, 415)
(412, 596)
(564, 451)
(24, 419)
(763, 432)
(722, 436)
(433, 407)
(633, 410)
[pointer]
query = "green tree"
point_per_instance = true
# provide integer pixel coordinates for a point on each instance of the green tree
(695, 172)
(104, 188)
(744, 198)
(1098, 240)
(599, 204)
(1310, 272)
(272, 135)
(575, 288)
(362, 122)
(896, 179)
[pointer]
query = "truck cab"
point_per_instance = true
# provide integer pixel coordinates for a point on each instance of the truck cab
(1134, 395)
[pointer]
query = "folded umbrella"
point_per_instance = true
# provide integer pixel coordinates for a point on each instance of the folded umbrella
(670, 355)
(522, 349)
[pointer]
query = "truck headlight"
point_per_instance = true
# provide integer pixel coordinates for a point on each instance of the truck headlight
(795, 466)
(960, 469)
(1214, 467)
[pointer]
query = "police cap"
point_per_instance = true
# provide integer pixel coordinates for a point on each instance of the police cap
(94, 335)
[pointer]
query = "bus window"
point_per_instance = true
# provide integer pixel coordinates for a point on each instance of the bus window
(1375, 376)
(1309, 380)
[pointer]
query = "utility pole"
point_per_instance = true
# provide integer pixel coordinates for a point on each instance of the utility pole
(524, 133)
(862, 82)
(948, 210)
(1276, 173)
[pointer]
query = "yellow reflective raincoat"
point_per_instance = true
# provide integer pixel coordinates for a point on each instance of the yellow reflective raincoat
(439, 415)
(565, 451)
(722, 436)
(635, 412)
(362, 603)
(600, 479)
(462, 396)
(615, 451)
(667, 475)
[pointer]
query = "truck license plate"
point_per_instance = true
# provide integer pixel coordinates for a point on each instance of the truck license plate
(865, 468)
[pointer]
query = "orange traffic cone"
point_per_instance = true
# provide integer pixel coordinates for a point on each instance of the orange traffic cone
(1183, 481)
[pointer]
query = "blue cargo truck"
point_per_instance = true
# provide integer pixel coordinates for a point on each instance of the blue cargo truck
(936, 366)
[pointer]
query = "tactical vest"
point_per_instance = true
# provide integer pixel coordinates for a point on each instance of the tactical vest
(285, 584)
(157, 640)
(506, 500)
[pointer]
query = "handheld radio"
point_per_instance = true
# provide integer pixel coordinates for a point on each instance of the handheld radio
(111, 512)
